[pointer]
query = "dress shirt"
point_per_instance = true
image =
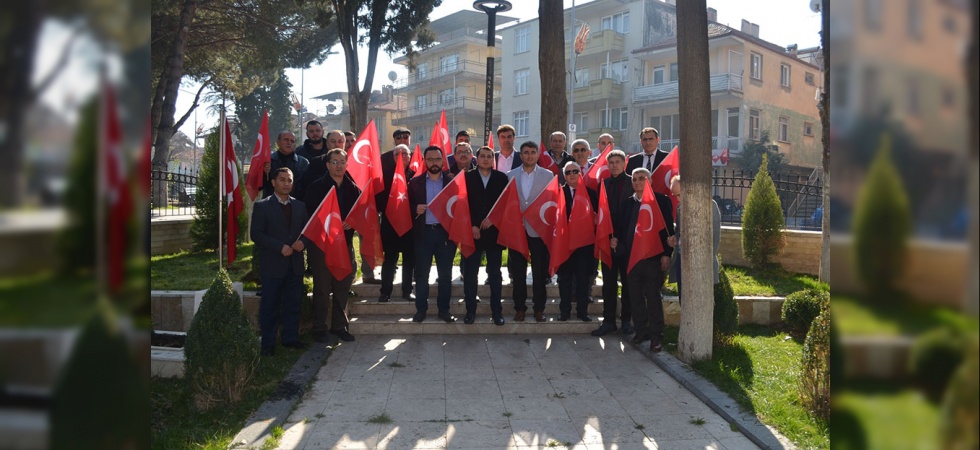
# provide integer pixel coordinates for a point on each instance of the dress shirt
(527, 183)
(432, 188)
(505, 163)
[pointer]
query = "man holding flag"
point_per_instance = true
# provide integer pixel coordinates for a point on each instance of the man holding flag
(618, 188)
(483, 187)
(575, 274)
(431, 238)
(390, 239)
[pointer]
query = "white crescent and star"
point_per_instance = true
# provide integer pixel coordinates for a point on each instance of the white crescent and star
(649, 210)
(667, 178)
(598, 172)
(602, 215)
(258, 148)
(544, 208)
(449, 205)
(326, 225)
(356, 151)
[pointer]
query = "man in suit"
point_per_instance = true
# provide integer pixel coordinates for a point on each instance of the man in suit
(484, 186)
(431, 239)
(507, 158)
(575, 274)
(277, 221)
(604, 140)
(647, 276)
(285, 156)
(675, 240)
(619, 188)
(651, 156)
(462, 158)
(367, 267)
(531, 180)
(556, 145)
(580, 155)
(325, 285)
(392, 243)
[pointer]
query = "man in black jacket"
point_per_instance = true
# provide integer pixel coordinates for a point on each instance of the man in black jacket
(651, 156)
(431, 239)
(483, 187)
(392, 243)
(318, 160)
(575, 274)
(619, 188)
(315, 144)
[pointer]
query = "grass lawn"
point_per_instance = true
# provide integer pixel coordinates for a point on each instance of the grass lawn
(759, 371)
(772, 283)
(857, 318)
(176, 424)
(193, 271)
(891, 416)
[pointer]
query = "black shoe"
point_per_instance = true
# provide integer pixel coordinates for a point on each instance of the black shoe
(297, 345)
(344, 335)
(627, 329)
(469, 318)
(584, 318)
(384, 298)
(656, 345)
(563, 318)
(604, 329)
(498, 321)
(268, 352)
(409, 296)
(419, 317)
(640, 338)
(446, 317)
(352, 293)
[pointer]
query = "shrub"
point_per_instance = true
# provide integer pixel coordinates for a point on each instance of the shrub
(762, 220)
(753, 152)
(726, 309)
(222, 352)
(881, 226)
(960, 417)
(934, 358)
(801, 307)
(814, 381)
(204, 229)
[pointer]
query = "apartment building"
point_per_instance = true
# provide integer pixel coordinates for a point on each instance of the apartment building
(382, 109)
(450, 76)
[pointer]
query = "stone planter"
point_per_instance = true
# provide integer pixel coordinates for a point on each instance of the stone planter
(167, 362)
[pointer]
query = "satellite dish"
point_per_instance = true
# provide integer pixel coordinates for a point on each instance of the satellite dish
(331, 108)
(392, 75)
(815, 5)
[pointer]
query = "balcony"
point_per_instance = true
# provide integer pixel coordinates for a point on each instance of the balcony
(462, 105)
(723, 83)
(598, 43)
(464, 70)
(733, 144)
(602, 89)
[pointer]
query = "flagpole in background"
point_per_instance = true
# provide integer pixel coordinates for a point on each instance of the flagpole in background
(221, 173)
(101, 263)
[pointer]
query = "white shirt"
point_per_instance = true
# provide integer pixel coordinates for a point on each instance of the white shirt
(527, 183)
(505, 163)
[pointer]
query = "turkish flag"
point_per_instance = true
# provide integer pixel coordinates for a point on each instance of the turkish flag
(649, 222)
(119, 197)
(545, 160)
(506, 216)
(416, 164)
(451, 207)
(364, 160)
(582, 220)
(261, 154)
(660, 178)
(326, 230)
(440, 138)
(598, 171)
(539, 215)
(603, 229)
(363, 218)
(559, 249)
(398, 211)
(232, 191)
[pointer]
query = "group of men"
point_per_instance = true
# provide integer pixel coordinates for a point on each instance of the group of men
(321, 163)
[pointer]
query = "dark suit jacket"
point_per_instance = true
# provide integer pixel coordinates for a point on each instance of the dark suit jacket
(317, 170)
(416, 197)
(388, 174)
(638, 159)
(346, 197)
(570, 198)
(517, 162)
(454, 168)
(297, 164)
(270, 233)
(481, 200)
(631, 210)
(618, 191)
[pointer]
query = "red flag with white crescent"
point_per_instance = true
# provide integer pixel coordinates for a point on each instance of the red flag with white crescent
(598, 171)
(326, 230)
(451, 207)
(649, 222)
(437, 140)
(603, 229)
(363, 218)
(660, 178)
(232, 191)
(559, 250)
(416, 165)
(261, 154)
(582, 220)
(506, 216)
(364, 160)
(539, 214)
(397, 210)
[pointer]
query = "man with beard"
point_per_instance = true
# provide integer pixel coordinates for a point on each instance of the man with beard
(318, 164)
(431, 239)
(483, 187)
(314, 145)
(392, 243)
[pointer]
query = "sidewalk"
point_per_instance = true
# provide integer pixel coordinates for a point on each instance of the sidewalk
(474, 392)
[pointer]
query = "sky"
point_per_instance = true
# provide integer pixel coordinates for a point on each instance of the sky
(782, 22)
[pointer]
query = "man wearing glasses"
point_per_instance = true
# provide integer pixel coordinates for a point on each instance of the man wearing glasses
(575, 274)
(392, 243)
(431, 239)
(483, 187)
(461, 159)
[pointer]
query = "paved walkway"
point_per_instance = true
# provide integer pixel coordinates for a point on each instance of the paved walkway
(492, 392)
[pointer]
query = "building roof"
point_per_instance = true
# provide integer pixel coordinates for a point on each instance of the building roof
(467, 18)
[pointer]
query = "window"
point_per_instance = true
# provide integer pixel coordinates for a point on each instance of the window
(673, 71)
(619, 23)
(520, 81)
(422, 71)
(810, 78)
(421, 102)
(808, 128)
(756, 66)
(582, 121)
(448, 64)
(615, 118)
(521, 123)
(784, 75)
(754, 122)
(872, 14)
(581, 77)
(658, 75)
(783, 129)
(913, 100)
(447, 96)
(617, 70)
(914, 19)
(714, 125)
(522, 40)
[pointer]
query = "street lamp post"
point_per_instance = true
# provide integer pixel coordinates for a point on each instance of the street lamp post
(491, 7)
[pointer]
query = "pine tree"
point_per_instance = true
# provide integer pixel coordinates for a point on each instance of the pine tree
(204, 230)
(762, 220)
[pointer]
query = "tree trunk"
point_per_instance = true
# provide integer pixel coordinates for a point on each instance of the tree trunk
(824, 273)
(347, 29)
(17, 54)
(551, 61)
(972, 300)
(697, 311)
(164, 106)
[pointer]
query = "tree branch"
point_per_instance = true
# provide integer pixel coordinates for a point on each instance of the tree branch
(194, 106)
(59, 66)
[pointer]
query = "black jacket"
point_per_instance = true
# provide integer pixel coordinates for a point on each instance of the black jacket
(388, 174)
(270, 232)
(618, 191)
(347, 194)
(638, 159)
(481, 201)
(416, 197)
(630, 214)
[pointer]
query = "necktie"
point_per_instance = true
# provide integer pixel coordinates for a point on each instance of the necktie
(650, 163)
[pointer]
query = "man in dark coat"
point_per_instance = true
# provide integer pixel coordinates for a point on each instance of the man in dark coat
(392, 243)
(431, 239)
(483, 187)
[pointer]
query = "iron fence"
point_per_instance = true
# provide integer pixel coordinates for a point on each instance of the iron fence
(173, 193)
(800, 196)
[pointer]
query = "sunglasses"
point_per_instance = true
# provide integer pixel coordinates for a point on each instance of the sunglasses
(573, 172)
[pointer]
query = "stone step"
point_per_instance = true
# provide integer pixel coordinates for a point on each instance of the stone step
(395, 324)
(366, 290)
(371, 306)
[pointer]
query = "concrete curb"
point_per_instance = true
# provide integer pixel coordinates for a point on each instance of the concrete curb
(276, 409)
(718, 401)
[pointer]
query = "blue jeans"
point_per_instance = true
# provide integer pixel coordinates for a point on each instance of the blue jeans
(434, 243)
(285, 294)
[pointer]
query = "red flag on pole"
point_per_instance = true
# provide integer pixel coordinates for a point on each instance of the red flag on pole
(660, 178)
(506, 216)
(232, 192)
(444, 140)
(397, 210)
(326, 230)
(646, 241)
(261, 154)
(440, 138)
(559, 250)
(603, 229)
(545, 160)
(416, 165)
(363, 218)
(451, 207)
(364, 160)
(118, 195)
(539, 215)
(582, 220)
(598, 171)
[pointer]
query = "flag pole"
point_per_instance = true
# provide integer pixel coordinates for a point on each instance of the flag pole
(221, 173)
(101, 262)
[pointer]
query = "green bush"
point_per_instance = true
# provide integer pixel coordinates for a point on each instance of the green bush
(934, 358)
(814, 381)
(204, 229)
(762, 220)
(222, 351)
(726, 309)
(881, 226)
(801, 307)
(960, 416)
